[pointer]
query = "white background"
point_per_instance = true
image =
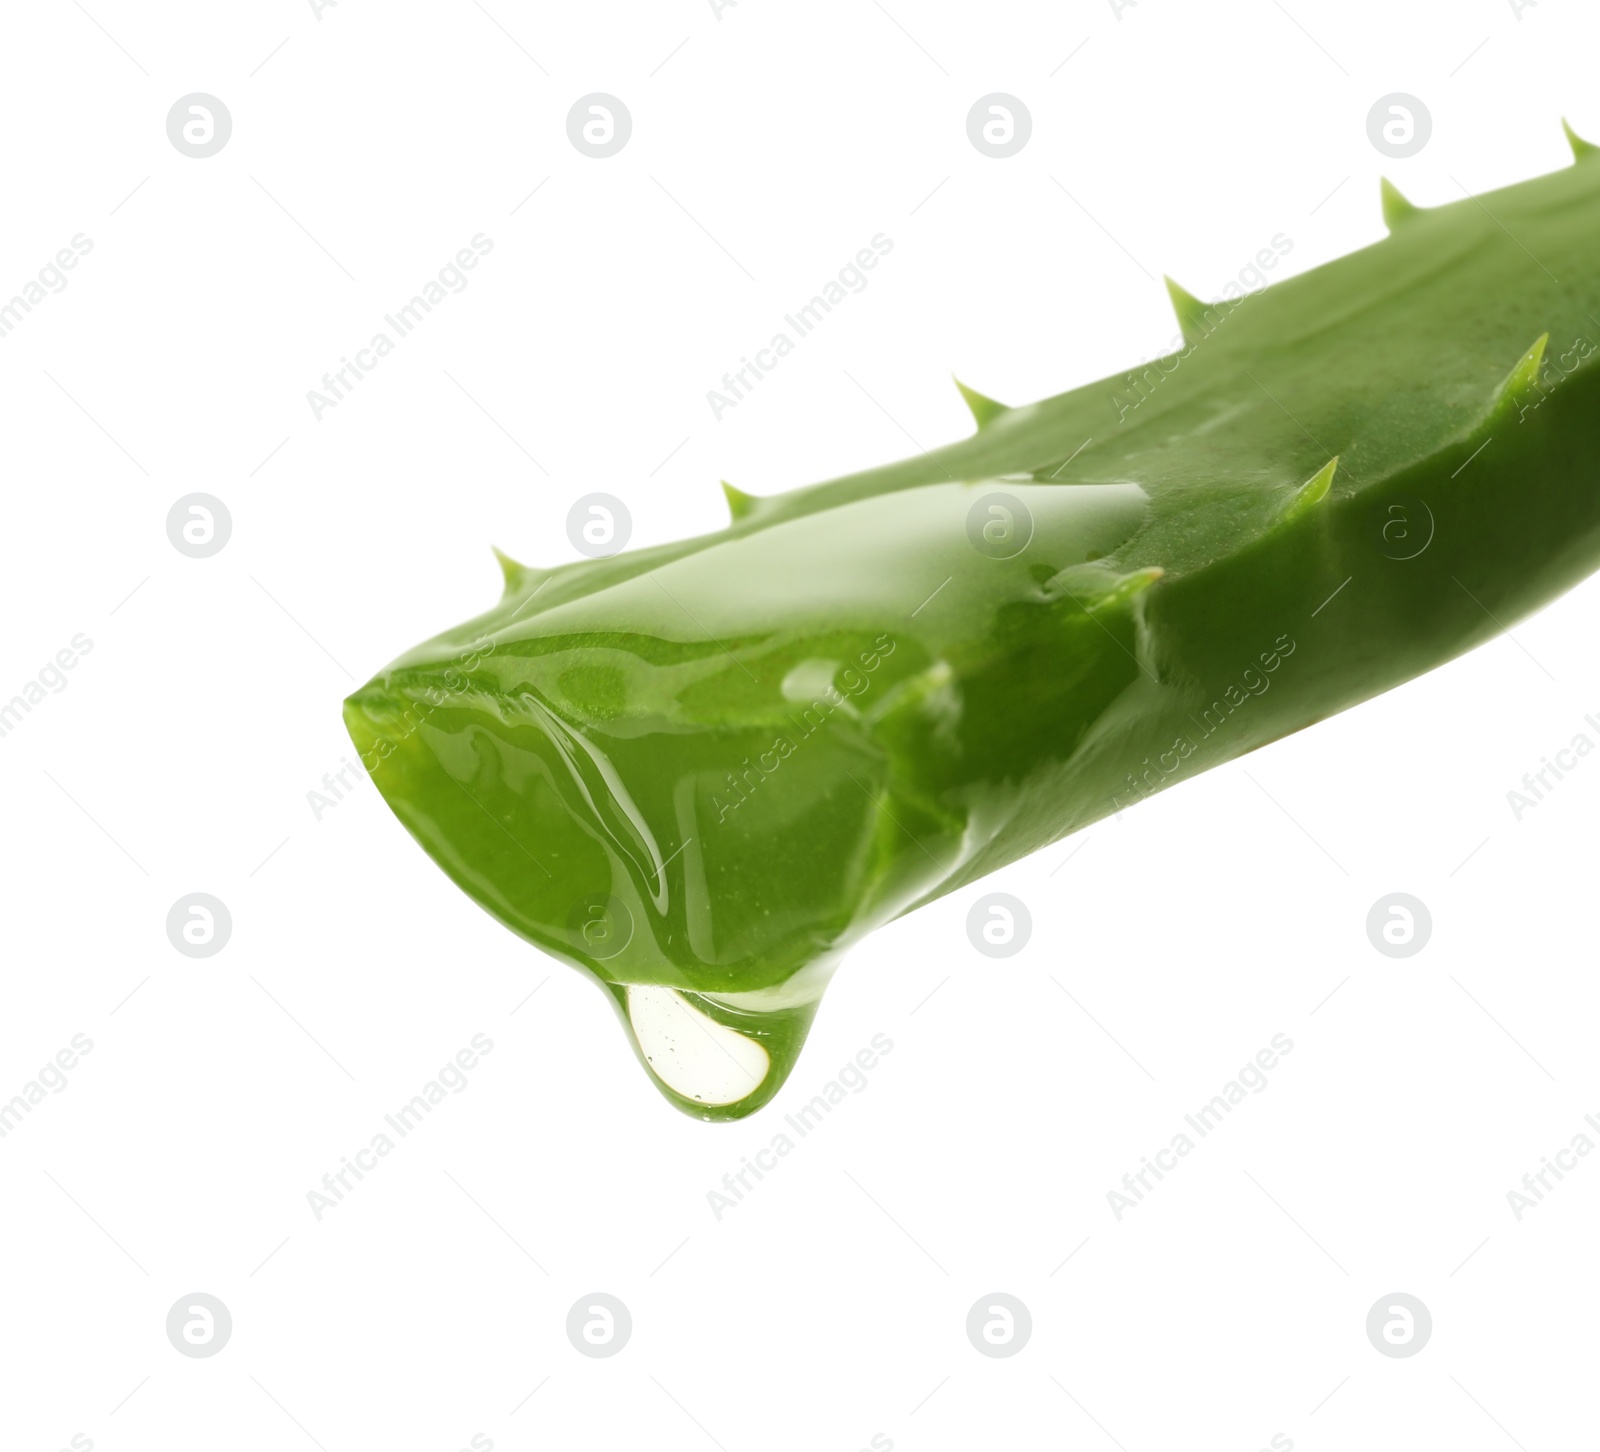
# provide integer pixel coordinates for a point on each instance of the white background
(769, 145)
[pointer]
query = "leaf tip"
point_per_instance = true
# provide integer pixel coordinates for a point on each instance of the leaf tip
(1190, 310)
(740, 504)
(1313, 491)
(510, 571)
(1580, 147)
(1398, 209)
(1523, 377)
(1126, 588)
(985, 410)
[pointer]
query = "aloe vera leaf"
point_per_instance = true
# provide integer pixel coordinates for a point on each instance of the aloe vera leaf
(701, 771)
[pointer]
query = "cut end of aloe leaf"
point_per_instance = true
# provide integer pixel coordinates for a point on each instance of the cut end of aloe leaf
(572, 866)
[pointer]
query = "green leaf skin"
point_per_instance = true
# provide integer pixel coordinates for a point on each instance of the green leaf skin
(1337, 484)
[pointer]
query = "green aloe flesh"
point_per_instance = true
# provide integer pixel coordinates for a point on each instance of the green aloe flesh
(702, 771)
